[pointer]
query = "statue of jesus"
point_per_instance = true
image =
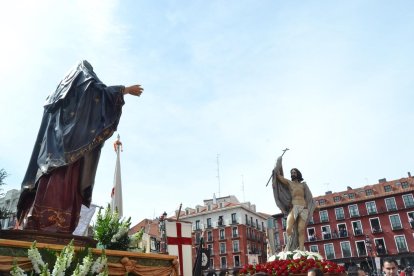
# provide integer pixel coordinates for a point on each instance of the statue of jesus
(294, 198)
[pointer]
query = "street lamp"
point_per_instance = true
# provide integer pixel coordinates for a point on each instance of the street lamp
(369, 245)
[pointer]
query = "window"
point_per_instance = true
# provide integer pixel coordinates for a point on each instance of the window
(357, 226)
(247, 219)
(339, 213)
(401, 243)
(351, 195)
(311, 234)
(395, 222)
(390, 203)
(236, 246)
(411, 219)
(408, 200)
(369, 192)
(375, 225)
(329, 251)
(322, 201)
(324, 216)
(251, 221)
(257, 223)
(236, 261)
(197, 225)
(211, 263)
(263, 228)
(223, 262)
(387, 188)
(346, 249)
(353, 210)
(234, 232)
(222, 248)
(209, 236)
(209, 223)
(371, 207)
(337, 198)
(380, 246)
(361, 249)
(233, 218)
(221, 235)
(220, 221)
(326, 232)
(210, 249)
(404, 185)
(314, 248)
(311, 220)
(343, 232)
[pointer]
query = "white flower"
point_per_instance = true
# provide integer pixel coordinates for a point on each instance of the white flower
(297, 255)
(35, 257)
(84, 268)
(282, 255)
(271, 258)
(99, 264)
(310, 257)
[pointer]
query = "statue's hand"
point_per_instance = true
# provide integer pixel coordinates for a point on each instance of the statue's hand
(135, 90)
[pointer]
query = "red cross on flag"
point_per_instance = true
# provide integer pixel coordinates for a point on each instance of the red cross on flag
(179, 243)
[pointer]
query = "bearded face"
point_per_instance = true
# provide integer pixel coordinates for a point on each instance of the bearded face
(295, 175)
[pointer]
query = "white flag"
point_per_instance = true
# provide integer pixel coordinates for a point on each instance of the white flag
(116, 195)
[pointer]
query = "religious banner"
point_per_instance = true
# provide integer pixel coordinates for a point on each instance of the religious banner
(179, 243)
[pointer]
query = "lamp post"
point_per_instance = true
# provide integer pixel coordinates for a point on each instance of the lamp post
(369, 245)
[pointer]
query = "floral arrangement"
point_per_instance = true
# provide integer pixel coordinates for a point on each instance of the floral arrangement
(293, 262)
(111, 231)
(63, 263)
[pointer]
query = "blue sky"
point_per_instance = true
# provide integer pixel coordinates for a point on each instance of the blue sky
(241, 80)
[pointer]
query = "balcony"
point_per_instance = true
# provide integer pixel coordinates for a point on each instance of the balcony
(376, 230)
(234, 222)
(327, 236)
(222, 238)
(355, 215)
(340, 217)
(325, 220)
(235, 236)
(358, 233)
(372, 212)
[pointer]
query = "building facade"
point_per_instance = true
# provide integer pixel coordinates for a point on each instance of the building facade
(9, 203)
(361, 225)
(234, 232)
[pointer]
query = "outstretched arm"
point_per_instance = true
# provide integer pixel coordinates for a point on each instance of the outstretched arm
(135, 90)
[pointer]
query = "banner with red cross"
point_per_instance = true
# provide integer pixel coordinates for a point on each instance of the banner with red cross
(179, 243)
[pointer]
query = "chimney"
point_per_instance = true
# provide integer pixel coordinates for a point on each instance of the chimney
(409, 174)
(328, 192)
(382, 180)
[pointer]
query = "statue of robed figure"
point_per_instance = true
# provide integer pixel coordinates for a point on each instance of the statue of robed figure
(295, 200)
(78, 117)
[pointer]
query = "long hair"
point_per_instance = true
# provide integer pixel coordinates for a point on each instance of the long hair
(300, 178)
